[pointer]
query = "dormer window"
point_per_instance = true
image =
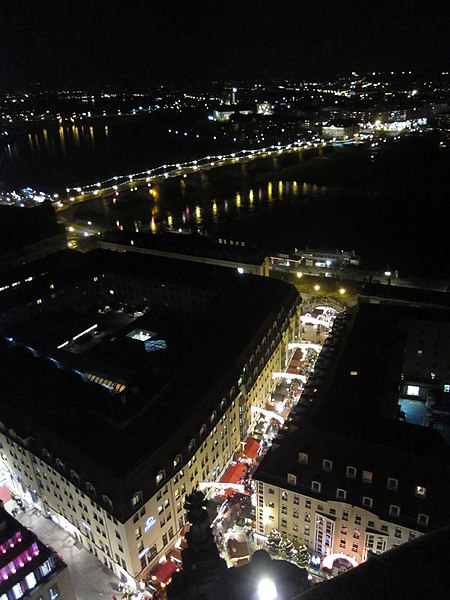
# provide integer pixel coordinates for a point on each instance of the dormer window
(421, 491)
(392, 484)
(136, 499)
(327, 465)
(423, 519)
(90, 488)
(351, 472)
(292, 479)
(107, 502)
(367, 502)
(159, 478)
(367, 476)
(394, 510)
(302, 458)
(60, 464)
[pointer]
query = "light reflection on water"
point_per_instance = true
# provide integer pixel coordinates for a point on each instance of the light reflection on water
(234, 213)
(364, 205)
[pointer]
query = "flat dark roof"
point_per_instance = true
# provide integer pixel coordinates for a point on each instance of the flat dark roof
(189, 245)
(170, 392)
(352, 420)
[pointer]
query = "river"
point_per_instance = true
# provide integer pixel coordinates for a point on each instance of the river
(390, 204)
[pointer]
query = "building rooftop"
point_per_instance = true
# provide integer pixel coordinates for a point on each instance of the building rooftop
(24, 226)
(24, 559)
(144, 384)
(189, 245)
(413, 570)
(349, 416)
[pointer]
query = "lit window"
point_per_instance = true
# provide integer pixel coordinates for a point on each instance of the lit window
(292, 479)
(39, 301)
(136, 499)
(160, 477)
(412, 390)
(421, 491)
(303, 458)
(354, 373)
(31, 581)
(367, 476)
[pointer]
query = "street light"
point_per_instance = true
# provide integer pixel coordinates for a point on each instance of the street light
(342, 291)
(317, 287)
(299, 274)
(267, 590)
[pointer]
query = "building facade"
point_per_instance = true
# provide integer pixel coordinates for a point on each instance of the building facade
(347, 476)
(28, 568)
(121, 435)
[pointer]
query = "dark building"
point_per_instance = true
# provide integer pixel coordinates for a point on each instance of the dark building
(28, 568)
(348, 475)
(29, 234)
(413, 571)
(222, 252)
(140, 374)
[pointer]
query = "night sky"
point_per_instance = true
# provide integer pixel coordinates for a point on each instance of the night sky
(79, 42)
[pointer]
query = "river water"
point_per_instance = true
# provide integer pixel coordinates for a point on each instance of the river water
(390, 204)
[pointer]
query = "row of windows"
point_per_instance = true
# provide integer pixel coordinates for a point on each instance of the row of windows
(367, 502)
(351, 473)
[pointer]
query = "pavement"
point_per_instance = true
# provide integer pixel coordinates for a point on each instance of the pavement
(90, 578)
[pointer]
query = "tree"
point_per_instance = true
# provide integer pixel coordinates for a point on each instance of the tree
(301, 556)
(288, 549)
(274, 542)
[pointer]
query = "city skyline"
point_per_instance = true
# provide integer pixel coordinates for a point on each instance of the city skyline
(104, 43)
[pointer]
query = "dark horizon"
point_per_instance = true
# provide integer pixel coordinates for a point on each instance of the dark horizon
(98, 43)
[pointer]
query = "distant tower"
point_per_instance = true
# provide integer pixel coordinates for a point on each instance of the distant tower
(231, 95)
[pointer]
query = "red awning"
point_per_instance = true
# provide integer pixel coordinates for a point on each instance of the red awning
(164, 571)
(233, 473)
(5, 494)
(251, 447)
